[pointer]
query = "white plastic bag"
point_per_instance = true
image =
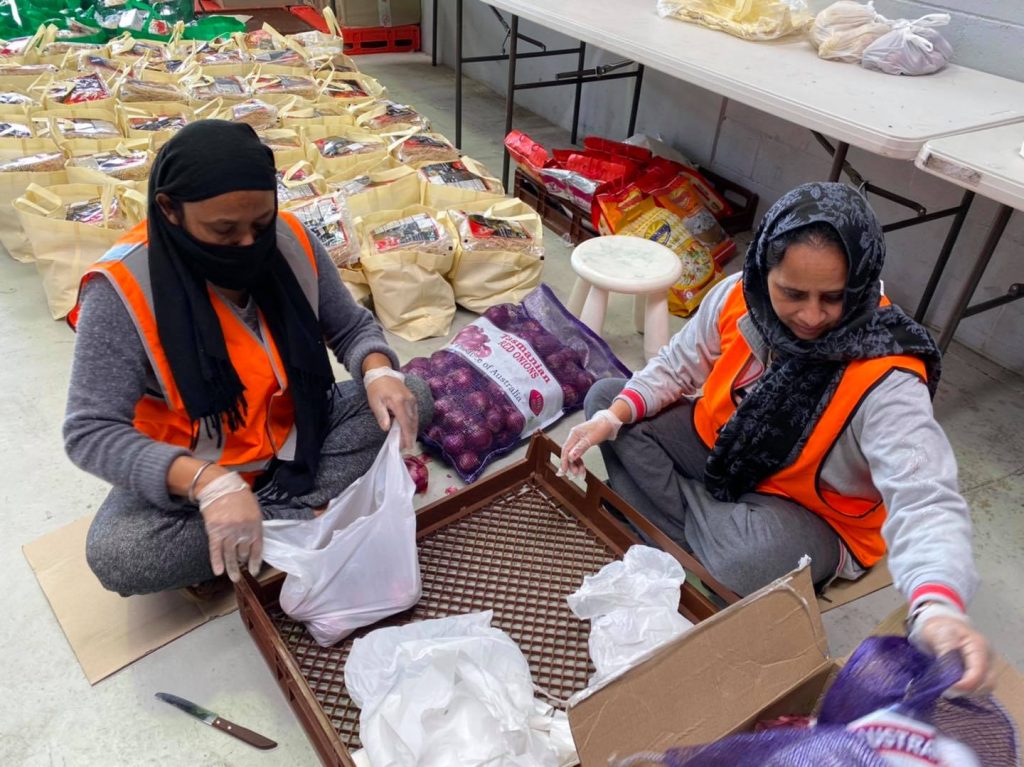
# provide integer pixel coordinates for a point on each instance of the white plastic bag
(633, 607)
(842, 31)
(356, 563)
(452, 692)
(911, 48)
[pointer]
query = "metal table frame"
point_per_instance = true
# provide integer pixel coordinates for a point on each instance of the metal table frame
(578, 78)
(838, 151)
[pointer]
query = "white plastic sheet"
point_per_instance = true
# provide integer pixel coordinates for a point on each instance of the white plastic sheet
(633, 608)
(452, 692)
(356, 563)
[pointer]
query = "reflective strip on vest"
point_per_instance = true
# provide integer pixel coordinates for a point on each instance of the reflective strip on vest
(268, 429)
(858, 521)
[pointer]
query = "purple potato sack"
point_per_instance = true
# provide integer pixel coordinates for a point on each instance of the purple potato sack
(516, 369)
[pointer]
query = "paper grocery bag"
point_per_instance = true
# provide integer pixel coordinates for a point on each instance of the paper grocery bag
(355, 281)
(405, 256)
(391, 189)
(14, 184)
(500, 253)
(372, 151)
(63, 250)
(445, 185)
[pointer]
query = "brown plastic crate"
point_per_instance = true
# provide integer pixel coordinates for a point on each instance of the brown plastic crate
(517, 542)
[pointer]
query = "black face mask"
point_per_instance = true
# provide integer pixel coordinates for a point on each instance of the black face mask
(235, 267)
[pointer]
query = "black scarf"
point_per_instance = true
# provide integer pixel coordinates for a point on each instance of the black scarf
(206, 159)
(773, 422)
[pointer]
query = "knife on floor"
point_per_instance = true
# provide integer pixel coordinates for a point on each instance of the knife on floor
(208, 717)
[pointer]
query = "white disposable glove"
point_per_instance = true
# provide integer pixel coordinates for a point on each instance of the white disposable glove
(388, 396)
(938, 628)
(234, 525)
(603, 425)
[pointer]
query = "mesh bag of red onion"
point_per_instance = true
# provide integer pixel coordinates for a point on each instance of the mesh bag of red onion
(516, 369)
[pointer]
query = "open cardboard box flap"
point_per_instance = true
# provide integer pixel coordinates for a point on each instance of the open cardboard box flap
(750, 654)
(762, 657)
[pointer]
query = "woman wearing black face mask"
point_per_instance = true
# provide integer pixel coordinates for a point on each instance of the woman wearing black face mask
(201, 387)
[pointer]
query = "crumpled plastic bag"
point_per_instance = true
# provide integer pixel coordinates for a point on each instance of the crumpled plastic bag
(911, 48)
(842, 31)
(748, 19)
(633, 607)
(452, 692)
(356, 563)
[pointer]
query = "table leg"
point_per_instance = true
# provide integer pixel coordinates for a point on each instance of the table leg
(433, 36)
(595, 308)
(655, 323)
(639, 312)
(838, 158)
(579, 94)
(458, 74)
(977, 271)
(636, 99)
(947, 248)
(579, 294)
(510, 92)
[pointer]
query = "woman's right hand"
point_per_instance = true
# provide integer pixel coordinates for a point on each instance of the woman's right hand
(603, 425)
(234, 525)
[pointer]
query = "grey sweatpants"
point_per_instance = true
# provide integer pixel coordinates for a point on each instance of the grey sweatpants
(657, 465)
(136, 548)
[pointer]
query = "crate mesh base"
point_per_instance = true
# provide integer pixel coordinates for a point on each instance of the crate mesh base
(519, 556)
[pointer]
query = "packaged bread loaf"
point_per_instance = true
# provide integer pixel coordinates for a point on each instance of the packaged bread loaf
(11, 98)
(133, 89)
(285, 85)
(426, 148)
(390, 117)
(352, 88)
(43, 161)
(204, 88)
(345, 153)
(125, 165)
(158, 121)
(255, 112)
(286, 59)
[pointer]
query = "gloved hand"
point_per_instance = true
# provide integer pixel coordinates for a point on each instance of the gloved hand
(388, 396)
(603, 425)
(234, 525)
(938, 628)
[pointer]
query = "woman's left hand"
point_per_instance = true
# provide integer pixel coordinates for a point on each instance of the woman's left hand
(389, 397)
(939, 631)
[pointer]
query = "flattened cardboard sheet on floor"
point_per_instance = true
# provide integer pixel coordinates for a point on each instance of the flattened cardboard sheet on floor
(106, 631)
(843, 592)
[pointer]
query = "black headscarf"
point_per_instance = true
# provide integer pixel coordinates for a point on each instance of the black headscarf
(773, 422)
(206, 159)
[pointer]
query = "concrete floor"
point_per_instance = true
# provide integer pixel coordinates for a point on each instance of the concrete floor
(49, 715)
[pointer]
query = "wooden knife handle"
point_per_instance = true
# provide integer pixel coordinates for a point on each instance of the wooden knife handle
(252, 738)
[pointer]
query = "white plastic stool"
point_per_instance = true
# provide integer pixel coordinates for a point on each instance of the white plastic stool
(630, 265)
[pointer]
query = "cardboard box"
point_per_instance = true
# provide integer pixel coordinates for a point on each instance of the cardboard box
(763, 657)
(243, 5)
(377, 13)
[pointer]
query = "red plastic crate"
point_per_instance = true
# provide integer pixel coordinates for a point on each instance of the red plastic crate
(360, 40)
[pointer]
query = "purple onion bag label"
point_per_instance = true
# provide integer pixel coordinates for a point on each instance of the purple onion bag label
(516, 368)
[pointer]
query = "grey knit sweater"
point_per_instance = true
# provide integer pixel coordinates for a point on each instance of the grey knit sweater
(111, 372)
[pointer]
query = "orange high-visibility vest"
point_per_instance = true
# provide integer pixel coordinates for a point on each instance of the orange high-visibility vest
(269, 419)
(858, 521)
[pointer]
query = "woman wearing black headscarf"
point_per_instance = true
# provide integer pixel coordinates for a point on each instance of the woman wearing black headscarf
(792, 416)
(201, 387)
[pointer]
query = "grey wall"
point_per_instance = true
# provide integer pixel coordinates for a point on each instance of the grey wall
(771, 156)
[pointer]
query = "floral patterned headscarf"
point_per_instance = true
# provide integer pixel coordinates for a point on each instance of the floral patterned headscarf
(772, 424)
